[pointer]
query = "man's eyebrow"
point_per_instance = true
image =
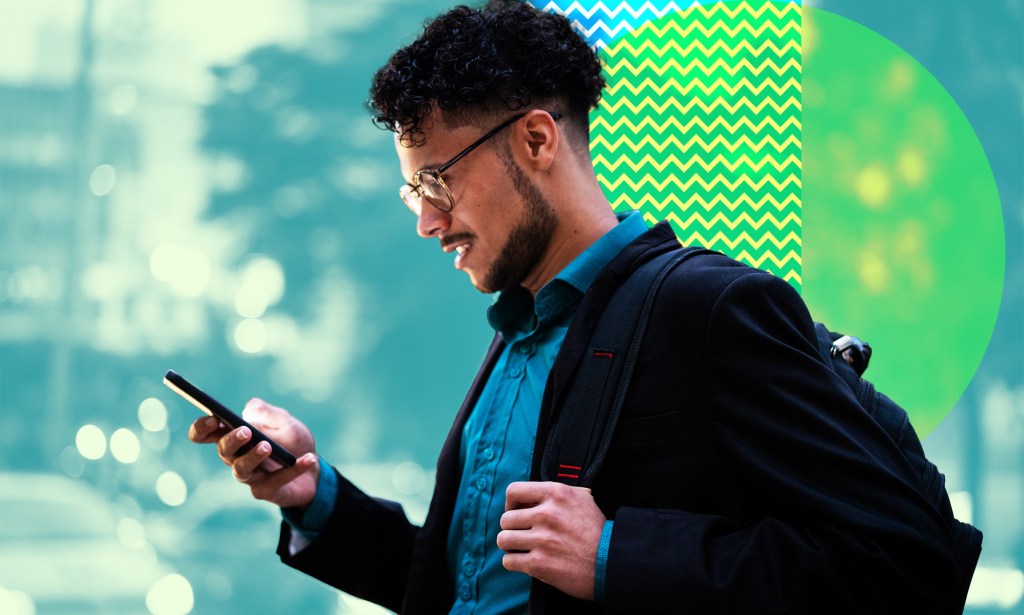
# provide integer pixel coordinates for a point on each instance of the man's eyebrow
(430, 166)
(427, 167)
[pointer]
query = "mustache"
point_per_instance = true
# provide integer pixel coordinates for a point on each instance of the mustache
(454, 238)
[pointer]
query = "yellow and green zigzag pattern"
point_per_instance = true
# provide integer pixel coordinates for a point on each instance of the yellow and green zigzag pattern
(700, 125)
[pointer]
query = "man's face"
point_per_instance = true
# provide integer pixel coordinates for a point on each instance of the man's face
(501, 225)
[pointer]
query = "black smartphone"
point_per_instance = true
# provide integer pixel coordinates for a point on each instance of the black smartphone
(211, 406)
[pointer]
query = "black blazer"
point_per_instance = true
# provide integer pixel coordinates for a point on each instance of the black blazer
(743, 476)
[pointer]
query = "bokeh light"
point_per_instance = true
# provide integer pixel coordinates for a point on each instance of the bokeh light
(962, 503)
(91, 442)
(152, 414)
(124, 446)
(251, 336)
(1002, 588)
(912, 167)
(104, 280)
(131, 533)
(186, 269)
(171, 595)
(71, 462)
(32, 283)
(102, 180)
(873, 186)
(123, 99)
(262, 286)
(171, 488)
(250, 302)
(409, 478)
(16, 602)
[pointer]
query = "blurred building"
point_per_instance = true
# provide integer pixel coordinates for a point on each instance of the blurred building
(67, 138)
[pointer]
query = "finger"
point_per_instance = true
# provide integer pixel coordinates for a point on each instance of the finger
(516, 541)
(265, 485)
(229, 444)
(257, 411)
(245, 465)
(203, 430)
(526, 494)
(521, 519)
(514, 562)
(255, 405)
(518, 562)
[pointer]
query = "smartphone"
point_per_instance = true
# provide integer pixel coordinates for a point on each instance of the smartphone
(214, 408)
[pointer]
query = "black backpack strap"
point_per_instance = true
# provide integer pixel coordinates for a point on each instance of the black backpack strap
(583, 431)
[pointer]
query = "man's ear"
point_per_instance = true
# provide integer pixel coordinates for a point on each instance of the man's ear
(538, 140)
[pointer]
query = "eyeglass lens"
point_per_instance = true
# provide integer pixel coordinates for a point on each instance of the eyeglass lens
(429, 188)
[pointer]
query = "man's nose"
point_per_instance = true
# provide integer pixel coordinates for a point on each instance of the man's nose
(432, 221)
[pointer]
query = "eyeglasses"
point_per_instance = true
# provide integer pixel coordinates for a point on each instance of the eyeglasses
(429, 185)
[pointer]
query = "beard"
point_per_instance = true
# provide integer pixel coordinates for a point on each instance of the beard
(528, 240)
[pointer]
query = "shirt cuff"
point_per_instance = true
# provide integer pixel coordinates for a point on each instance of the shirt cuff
(601, 568)
(310, 522)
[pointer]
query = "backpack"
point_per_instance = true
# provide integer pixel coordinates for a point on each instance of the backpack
(579, 440)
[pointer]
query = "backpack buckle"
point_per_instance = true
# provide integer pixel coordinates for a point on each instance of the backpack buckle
(853, 350)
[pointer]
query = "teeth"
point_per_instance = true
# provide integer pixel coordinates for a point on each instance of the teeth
(461, 250)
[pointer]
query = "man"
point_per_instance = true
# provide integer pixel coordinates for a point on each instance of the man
(743, 475)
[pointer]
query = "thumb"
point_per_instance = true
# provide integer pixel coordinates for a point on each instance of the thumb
(256, 411)
(273, 482)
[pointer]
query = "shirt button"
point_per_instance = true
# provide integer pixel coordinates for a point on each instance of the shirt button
(514, 372)
(481, 483)
(526, 348)
(488, 454)
(465, 593)
(468, 569)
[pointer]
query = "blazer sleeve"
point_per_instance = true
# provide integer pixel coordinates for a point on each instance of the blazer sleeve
(837, 522)
(365, 548)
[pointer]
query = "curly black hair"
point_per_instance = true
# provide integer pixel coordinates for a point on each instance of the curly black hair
(471, 62)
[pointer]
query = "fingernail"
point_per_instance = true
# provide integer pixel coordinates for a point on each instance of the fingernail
(263, 447)
(211, 421)
(242, 434)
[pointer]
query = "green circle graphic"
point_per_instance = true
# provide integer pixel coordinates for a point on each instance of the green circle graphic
(903, 240)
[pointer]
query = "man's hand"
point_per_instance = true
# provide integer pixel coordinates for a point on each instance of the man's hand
(551, 532)
(286, 487)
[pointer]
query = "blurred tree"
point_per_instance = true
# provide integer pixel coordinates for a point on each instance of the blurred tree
(296, 161)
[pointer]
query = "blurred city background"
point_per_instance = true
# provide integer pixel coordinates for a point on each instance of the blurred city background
(197, 186)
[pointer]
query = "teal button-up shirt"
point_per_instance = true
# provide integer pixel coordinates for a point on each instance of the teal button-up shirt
(498, 438)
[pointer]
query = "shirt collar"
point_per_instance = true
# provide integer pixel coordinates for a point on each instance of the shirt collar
(516, 313)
